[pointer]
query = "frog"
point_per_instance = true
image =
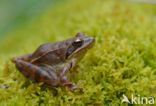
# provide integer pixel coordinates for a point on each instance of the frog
(51, 62)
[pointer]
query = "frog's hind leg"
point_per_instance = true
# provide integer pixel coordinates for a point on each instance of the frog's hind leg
(36, 73)
(24, 58)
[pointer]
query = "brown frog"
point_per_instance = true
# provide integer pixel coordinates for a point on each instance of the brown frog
(51, 61)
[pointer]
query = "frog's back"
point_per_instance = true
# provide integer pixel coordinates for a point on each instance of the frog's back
(50, 53)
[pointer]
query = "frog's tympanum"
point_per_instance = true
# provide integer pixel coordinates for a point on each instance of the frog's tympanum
(51, 61)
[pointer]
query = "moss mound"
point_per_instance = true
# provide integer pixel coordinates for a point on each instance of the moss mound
(123, 60)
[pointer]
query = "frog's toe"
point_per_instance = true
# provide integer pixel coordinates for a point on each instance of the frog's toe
(71, 86)
(77, 89)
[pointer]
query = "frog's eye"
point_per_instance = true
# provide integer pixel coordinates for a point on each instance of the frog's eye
(77, 43)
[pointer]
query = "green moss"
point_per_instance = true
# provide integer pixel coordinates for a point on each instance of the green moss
(123, 60)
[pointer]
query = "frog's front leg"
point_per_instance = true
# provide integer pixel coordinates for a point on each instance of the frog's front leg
(63, 78)
(37, 73)
(68, 67)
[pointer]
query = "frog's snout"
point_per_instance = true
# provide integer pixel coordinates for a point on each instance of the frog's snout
(90, 41)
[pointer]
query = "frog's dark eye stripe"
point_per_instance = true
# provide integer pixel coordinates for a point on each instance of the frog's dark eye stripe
(70, 50)
(77, 43)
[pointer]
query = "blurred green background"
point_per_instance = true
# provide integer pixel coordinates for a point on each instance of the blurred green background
(18, 12)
